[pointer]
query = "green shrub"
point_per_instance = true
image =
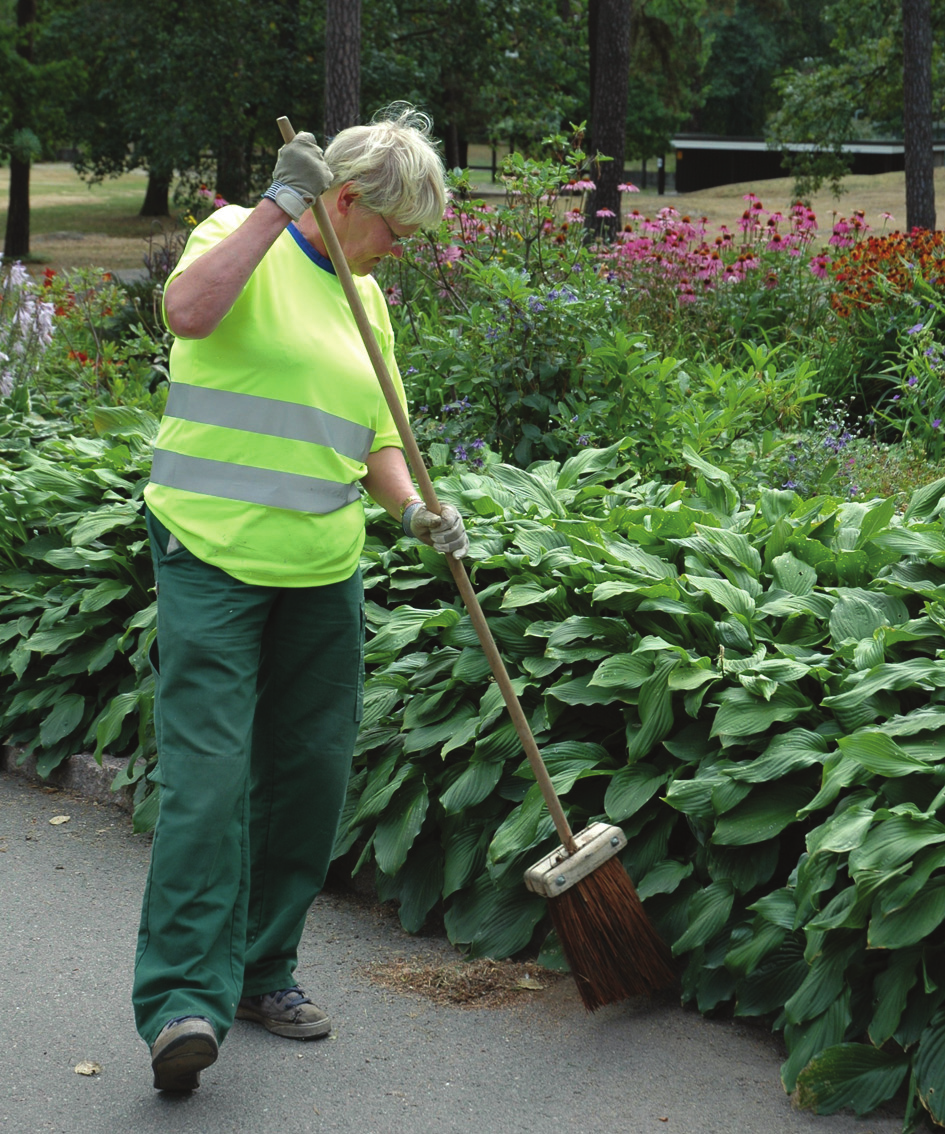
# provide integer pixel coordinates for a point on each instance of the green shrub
(755, 693)
(77, 584)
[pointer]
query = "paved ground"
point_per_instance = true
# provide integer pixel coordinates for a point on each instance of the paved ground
(395, 1063)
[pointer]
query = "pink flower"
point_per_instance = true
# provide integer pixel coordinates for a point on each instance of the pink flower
(628, 187)
(605, 213)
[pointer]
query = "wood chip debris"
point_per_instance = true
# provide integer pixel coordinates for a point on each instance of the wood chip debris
(482, 983)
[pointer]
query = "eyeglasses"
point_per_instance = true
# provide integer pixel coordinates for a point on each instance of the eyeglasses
(395, 240)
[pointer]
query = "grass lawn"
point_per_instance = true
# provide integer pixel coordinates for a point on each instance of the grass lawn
(74, 224)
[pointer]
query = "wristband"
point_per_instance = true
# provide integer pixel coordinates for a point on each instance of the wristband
(409, 514)
(287, 199)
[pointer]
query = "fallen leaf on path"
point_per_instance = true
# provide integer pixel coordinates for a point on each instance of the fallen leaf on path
(530, 983)
(57, 819)
(87, 1067)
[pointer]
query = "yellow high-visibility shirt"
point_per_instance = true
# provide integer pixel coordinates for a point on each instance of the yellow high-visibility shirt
(270, 419)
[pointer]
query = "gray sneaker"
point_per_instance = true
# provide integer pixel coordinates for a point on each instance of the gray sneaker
(184, 1047)
(287, 1012)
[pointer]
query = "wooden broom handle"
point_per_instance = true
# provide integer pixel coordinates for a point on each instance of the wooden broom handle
(425, 484)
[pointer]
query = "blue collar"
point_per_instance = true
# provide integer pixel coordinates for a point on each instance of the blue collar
(310, 250)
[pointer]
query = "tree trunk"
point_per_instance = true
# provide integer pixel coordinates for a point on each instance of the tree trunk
(232, 172)
(16, 243)
(609, 28)
(156, 195)
(455, 147)
(917, 113)
(342, 65)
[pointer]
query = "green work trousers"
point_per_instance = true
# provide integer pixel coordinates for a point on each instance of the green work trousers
(257, 703)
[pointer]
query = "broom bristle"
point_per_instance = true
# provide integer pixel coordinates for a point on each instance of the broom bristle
(611, 946)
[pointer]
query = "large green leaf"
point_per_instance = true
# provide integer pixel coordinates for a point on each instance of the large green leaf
(900, 675)
(729, 597)
(850, 1075)
(398, 827)
(893, 986)
(464, 853)
(807, 1040)
(742, 714)
(880, 754)
(751, 946)
(894, 838)
(382, 782)
(475, 783)
(663, 879)
(65, 717)
(929, 1067)
(846, 829)
(708, 913)
(630, 788)
(764, 814)
(624, 671)
(826, 980)
(855, 617)
(773, 981)
(108, 591)
(786, 753)
(911, 924)
(490, 921)
(416, 886)
(793, 575)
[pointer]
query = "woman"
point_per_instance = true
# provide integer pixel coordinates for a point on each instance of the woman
(274, 422)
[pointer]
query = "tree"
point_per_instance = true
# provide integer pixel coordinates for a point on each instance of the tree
(609, 38)
(917, 113)
(522, 71)
(175, 88)
(668, 52)
(342, 65)
(750, 42)
(16, 242)
(855, 90)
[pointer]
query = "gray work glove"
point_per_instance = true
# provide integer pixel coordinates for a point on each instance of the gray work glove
(444, 533)
(301, 175)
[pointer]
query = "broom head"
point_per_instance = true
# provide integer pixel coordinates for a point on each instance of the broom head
(611, 946)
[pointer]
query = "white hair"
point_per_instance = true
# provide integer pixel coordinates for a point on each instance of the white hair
(394, 163)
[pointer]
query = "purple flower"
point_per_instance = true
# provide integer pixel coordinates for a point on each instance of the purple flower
(913, 380)
(583, 439)
(460, 453)
(936, 423)
(915, 330)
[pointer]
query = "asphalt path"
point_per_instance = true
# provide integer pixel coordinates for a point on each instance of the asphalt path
(395, 1063)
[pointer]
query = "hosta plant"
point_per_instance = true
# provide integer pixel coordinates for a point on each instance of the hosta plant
(77, 595)
(753, 692)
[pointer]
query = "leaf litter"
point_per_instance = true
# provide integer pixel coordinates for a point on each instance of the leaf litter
(483, 983)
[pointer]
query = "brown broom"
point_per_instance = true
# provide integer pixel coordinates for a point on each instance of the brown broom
(611, 946)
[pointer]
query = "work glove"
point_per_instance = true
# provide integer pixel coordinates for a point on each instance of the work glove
(301, 175)
(444, 533)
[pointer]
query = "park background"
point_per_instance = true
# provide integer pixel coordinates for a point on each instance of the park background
(698, 438)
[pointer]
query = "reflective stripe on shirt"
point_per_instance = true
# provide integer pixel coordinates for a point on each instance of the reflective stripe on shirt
(292, 491)
(271, 417)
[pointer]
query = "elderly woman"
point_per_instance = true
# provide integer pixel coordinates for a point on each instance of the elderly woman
(275, 422)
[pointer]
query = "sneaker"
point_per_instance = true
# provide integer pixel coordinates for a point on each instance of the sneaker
(184, 1047)
(288, 1012)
